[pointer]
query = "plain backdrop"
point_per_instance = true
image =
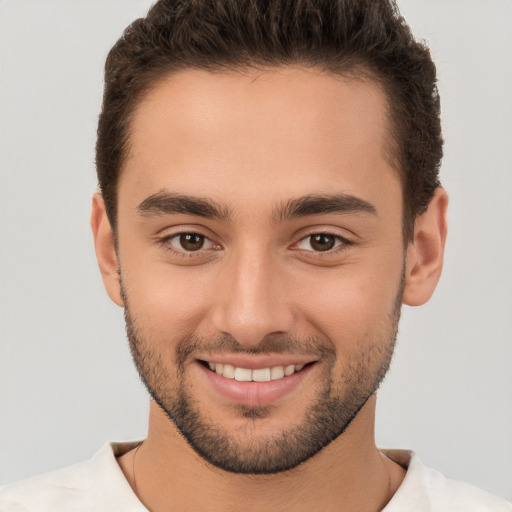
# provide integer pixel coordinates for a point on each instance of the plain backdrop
(66, 379)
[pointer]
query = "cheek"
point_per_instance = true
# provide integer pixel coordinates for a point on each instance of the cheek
(353, 305)
(168, 302)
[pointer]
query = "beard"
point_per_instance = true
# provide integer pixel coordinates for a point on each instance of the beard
(328, 415)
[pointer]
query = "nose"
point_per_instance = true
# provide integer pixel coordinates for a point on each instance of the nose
(251, 299)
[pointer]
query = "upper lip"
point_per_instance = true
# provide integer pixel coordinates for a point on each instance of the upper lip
(255, 361)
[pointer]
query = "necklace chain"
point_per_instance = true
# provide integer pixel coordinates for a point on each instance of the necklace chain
(133, 467)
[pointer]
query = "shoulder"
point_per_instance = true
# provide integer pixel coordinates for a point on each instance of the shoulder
(96, 484)
(427, 490)
(447, 494)
(51, 491)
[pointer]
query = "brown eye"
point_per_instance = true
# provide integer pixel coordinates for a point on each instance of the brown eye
(322, 242)
(191, 241)
(190, 245)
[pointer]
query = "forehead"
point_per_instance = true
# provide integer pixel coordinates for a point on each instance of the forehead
(274, 132)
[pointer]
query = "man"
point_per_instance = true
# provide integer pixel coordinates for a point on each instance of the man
(269, 199)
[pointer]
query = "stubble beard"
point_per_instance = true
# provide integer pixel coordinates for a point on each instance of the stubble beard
(326, 418)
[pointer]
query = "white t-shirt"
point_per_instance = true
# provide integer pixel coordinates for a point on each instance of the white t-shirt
(98, 485)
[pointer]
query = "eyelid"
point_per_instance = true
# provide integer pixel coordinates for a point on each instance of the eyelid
(338, 241)
(165, 241)
(319, 230)
(180, 228)
(336, 250)
(206, 239)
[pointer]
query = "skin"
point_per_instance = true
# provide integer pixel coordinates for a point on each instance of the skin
(251, 142)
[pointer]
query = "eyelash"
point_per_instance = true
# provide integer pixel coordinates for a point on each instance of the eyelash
(343, 245)
(165, 243)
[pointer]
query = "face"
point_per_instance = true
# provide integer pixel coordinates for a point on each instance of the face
(261, 258)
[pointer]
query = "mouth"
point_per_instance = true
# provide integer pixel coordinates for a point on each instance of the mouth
(266, 374)
(254, 382)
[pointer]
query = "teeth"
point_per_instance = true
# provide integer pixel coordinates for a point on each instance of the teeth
(228, 371)
(243, 374)
(261, 375)
(257, 375)
(289, 370)
(277, 372)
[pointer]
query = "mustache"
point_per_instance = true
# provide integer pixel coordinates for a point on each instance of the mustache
(270, 344)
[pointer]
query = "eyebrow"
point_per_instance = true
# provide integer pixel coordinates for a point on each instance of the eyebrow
(164, 202)
(323, 204)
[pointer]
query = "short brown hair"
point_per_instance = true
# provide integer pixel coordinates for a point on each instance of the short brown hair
(341, 36)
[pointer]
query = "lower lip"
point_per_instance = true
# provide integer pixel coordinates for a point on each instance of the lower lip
(254, 393)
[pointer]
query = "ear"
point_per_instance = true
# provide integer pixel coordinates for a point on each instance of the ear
(105, 249)
(424, 260)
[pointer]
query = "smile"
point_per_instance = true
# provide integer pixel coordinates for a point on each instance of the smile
(254, 380)
(255, 375)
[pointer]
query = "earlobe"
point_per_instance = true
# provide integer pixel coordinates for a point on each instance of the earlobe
(424, 261)
(105, 249)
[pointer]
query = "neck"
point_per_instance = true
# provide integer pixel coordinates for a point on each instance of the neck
(349, 474)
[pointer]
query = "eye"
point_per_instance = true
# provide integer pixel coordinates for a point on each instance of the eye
(189, 242)
(320, 242)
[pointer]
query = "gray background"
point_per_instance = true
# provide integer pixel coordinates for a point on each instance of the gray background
(66, 378)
